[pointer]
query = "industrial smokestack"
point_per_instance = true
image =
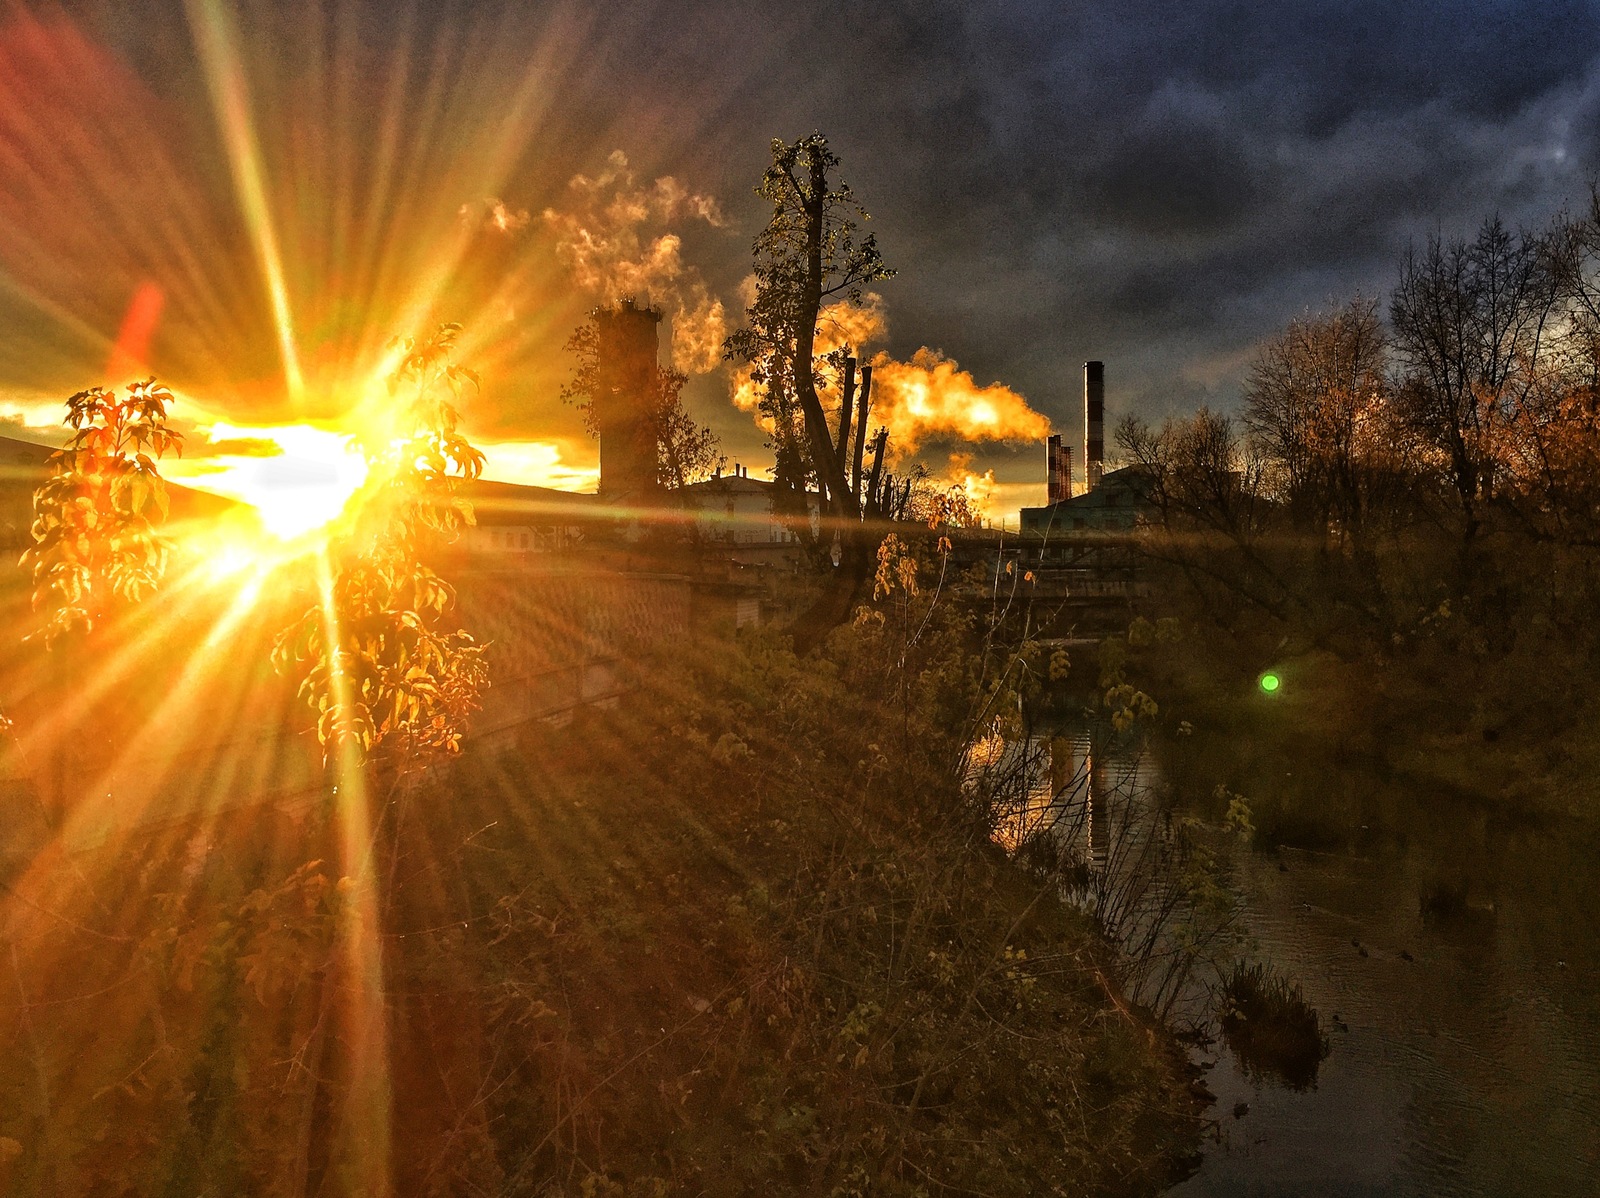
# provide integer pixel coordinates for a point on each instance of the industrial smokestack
(1058, 469)
(1094, 422)
(624, 412)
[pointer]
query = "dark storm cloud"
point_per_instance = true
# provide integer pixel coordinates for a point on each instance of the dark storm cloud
(1158, 185)
(1176, 181)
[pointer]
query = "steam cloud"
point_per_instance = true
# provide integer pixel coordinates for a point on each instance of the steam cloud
(979, 488)
(616, 244)
(492, 215)
(931, 397)
(926, 399)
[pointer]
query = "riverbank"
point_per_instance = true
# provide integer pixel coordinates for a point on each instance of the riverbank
(1514, 734)
(860, 994)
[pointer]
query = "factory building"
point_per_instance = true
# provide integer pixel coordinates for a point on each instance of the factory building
(1111, 501)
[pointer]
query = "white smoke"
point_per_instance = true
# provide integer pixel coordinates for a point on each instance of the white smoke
(617, 241)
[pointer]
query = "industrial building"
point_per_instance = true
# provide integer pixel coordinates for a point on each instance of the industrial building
(1111, 501)
(740, 512)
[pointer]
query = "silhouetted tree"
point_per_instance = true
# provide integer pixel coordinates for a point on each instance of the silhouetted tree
(1552, 461)
(810, 253)
(1470, 321)
(1211, 515)
(1318, 409)
(1199, 471)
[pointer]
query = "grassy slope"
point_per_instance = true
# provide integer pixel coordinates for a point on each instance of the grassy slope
(735, 936)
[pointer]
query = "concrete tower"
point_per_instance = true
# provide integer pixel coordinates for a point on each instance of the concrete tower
(624, 398)
(1094, 422)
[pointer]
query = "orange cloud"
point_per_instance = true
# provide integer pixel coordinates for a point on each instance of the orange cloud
(854, 325)
(699, 327)
(978, 488)
(929, 398)
(932, 398)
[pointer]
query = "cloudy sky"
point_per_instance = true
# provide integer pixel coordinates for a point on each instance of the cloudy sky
(1156, 185)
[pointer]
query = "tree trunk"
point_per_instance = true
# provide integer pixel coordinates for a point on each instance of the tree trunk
(841, 508)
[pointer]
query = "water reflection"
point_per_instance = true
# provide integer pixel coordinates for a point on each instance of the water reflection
(1451, 949)
(1082, 806)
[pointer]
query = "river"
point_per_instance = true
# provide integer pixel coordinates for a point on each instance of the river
(1464, 1045)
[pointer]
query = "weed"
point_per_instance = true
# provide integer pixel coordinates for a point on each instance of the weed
(1270, 1027)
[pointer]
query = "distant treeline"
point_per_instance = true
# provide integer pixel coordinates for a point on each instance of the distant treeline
(1397, 466)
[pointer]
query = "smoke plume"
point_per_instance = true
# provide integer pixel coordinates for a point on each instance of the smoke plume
(932, 398)
(929, 398)
(978, 488)
(617, 242)
(492, 215)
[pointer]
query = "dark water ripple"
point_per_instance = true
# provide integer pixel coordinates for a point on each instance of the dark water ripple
(1471, 1069)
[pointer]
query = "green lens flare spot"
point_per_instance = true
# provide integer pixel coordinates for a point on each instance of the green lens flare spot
(1269, 682)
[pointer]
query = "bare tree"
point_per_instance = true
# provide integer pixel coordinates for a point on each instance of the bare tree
(810, 253)
(1317, 404)
(1200, 473)
(1555, 456)
(1470, 322)
(1212, 516)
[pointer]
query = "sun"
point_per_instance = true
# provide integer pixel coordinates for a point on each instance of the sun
(297, 477)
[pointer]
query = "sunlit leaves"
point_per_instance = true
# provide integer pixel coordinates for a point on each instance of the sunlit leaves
(372, 661)
(94, 528)
(896, 570)
(426, 455)
(939, 507)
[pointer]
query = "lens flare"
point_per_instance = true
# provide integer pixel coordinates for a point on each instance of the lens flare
(131, 350)
(217, 42)
(299, 478)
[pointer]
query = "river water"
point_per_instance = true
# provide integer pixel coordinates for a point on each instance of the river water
(1464, 1044)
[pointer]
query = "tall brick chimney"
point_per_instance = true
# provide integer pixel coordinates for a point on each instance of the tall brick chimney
(1094, 422)
(626, 362)
(1058, 469)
